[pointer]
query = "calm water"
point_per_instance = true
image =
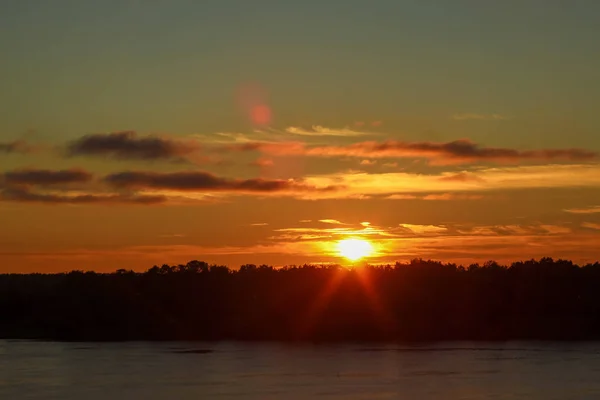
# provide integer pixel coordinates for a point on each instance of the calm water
(30, 370)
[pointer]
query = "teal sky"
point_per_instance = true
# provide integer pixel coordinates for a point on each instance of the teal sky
(74, 67)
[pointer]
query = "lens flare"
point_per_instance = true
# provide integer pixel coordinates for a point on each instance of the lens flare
(261, 114)
(252, 99)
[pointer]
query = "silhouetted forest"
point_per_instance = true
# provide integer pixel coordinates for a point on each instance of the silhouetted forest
(420, 300)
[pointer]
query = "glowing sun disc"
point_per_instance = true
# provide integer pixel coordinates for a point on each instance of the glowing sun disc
(354, 249)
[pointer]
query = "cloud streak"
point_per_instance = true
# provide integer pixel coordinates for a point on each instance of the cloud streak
(24, 195)
(588, 210)
(444, 153)
(318, 130)
(129, 146)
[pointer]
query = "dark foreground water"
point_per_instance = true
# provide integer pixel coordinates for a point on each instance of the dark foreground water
(38, 370)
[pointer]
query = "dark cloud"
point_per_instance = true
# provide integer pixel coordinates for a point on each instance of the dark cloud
(17, 146)
(128, 145)
(200, 181)
(46, 177)
(23, 195)
(456, 152)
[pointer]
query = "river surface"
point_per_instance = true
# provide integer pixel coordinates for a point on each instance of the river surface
(114, 371)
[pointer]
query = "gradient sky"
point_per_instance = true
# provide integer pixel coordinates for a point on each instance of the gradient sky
(142, 132)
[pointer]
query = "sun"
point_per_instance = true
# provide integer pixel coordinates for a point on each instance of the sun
(354, 249)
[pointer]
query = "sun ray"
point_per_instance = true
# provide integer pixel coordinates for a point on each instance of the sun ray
(308, 321)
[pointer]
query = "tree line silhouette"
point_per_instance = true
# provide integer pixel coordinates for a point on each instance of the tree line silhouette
(418, 301)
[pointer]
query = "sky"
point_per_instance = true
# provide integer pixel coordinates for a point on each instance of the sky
(136, 133)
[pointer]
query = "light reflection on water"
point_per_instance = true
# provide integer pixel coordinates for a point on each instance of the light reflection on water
(90, 371)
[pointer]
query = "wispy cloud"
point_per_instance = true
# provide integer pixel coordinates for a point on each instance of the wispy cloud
(130, 146)
(368, 162)
(436, 197)
(16, 147)
(587, 210)
(401, 197)
(481, 117)
(591, 225)
(405, 230)
(555, 229)
(226, 137)
(424, 229)
(318, 130)
(516, 230)
(453, 196)
(263, 162)
(489, 179)
(461, 177)
(331, 221)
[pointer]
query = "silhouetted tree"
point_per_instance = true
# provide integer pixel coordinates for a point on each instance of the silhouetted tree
(418, 300)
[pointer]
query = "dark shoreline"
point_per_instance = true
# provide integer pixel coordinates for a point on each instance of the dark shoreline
(416, 303)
